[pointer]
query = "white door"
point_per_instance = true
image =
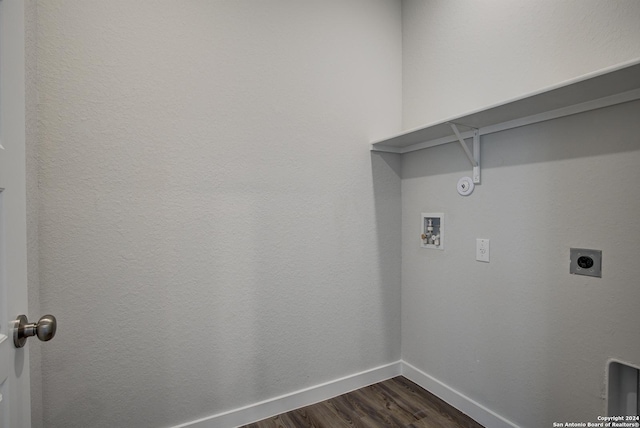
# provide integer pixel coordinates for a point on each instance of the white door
(15, 409)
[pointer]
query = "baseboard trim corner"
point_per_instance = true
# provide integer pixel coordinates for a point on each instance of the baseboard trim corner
(305, 397)
(295, 400)
(466, 405)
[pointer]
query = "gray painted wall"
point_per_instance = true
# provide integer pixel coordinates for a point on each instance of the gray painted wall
(212, 229)
(520, 335)
(463, 55)
(158, 119)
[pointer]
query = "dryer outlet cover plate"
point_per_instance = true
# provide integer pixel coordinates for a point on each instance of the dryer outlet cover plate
(585, 262)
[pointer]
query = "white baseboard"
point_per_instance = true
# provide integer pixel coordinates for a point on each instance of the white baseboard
(295, 400)
(466, 405)
(305, 397)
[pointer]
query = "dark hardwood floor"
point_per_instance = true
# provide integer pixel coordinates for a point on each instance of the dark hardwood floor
(396, 402)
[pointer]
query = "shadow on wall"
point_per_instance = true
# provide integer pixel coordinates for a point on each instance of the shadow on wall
(386, 170)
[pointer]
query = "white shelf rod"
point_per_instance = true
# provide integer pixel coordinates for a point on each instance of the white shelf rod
(474, 157)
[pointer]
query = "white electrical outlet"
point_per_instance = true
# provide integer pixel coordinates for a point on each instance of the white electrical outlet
(482, 250)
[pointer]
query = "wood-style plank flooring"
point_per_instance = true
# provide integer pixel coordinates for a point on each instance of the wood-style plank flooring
(396, 402)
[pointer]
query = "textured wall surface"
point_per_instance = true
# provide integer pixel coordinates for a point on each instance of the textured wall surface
(464, 55)
(213, 230)
(520, 335)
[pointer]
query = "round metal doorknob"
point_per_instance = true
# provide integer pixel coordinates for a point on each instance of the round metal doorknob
(45, 329)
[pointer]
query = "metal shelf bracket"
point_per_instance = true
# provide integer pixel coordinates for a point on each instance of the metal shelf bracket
(474, 157)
